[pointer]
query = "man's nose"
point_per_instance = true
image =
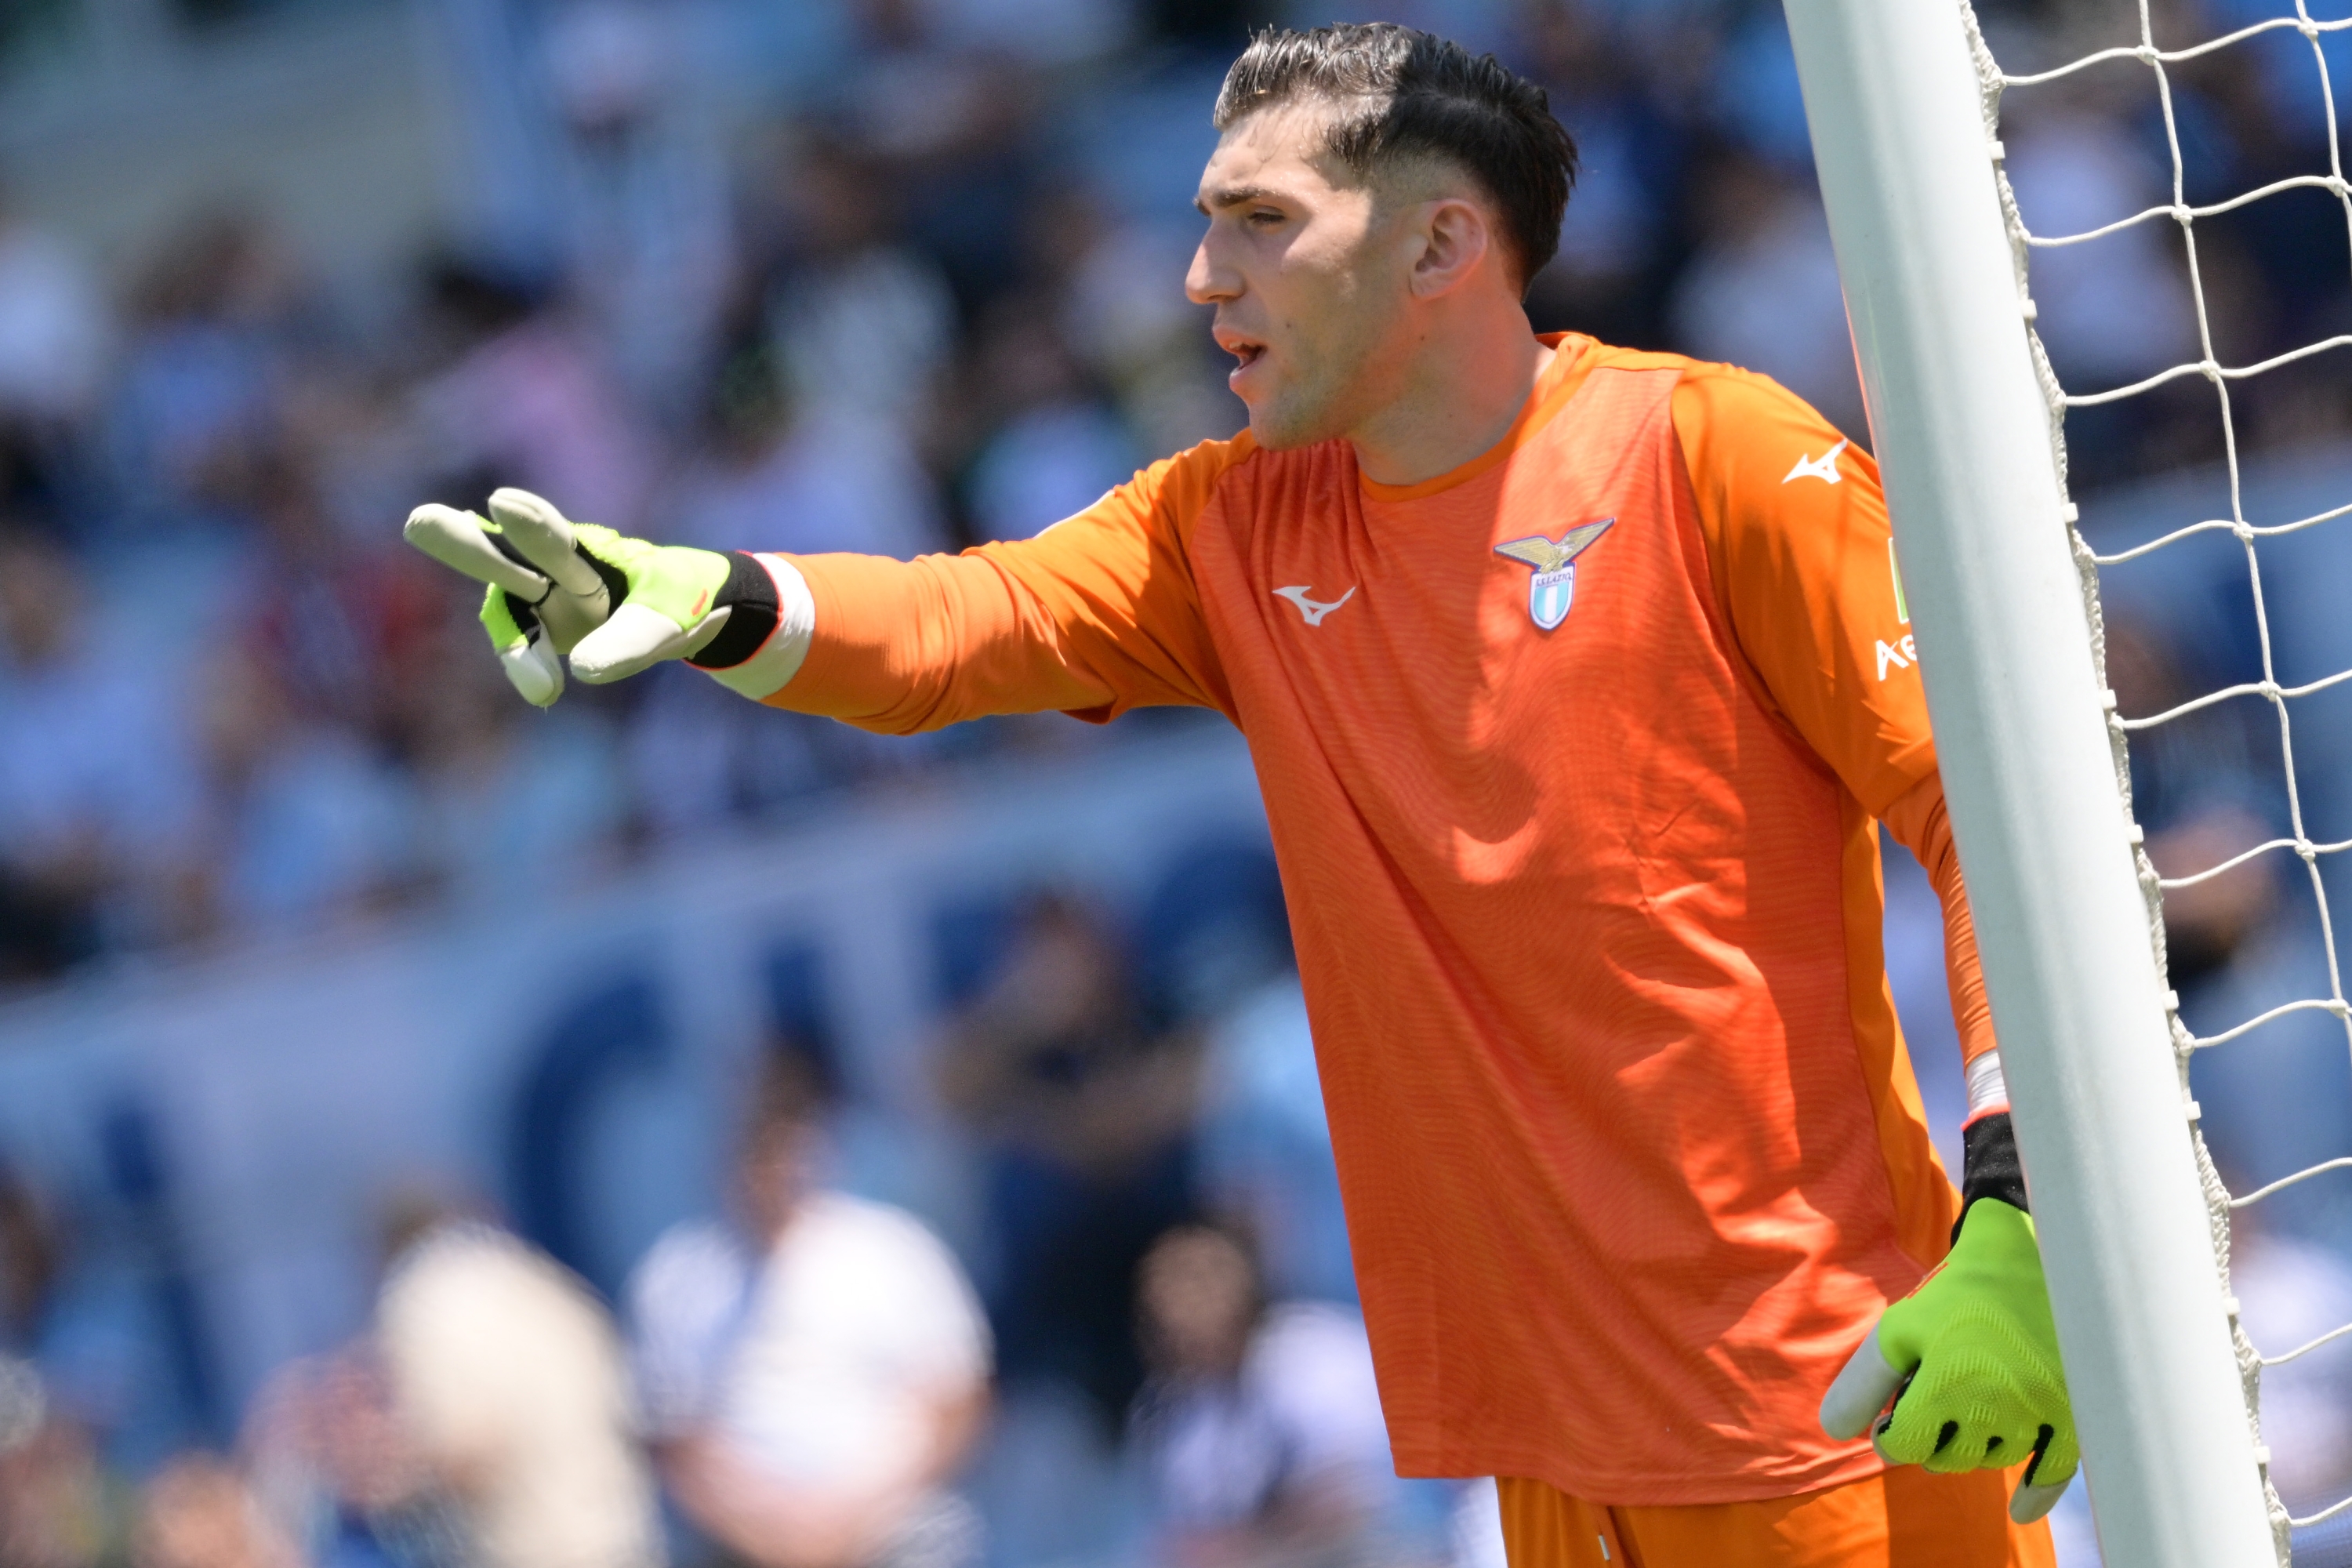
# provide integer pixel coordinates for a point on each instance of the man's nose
(1208, 283)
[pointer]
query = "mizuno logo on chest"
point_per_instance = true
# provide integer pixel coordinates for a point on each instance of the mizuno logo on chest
(1313, 609)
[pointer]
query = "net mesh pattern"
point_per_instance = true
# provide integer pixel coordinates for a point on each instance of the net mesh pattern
(2225, 381)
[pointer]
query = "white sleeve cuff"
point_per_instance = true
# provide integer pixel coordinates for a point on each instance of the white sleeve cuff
(1988, 1087)
(767, 671)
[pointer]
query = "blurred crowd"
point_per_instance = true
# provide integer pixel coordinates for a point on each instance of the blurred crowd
(1150, 1354)
(929, 294)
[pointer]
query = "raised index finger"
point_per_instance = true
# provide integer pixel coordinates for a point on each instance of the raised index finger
(455, 539)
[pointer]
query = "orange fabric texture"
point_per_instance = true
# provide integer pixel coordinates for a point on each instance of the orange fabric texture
(1899, 1519)
(1919, 823)
(1582, 869)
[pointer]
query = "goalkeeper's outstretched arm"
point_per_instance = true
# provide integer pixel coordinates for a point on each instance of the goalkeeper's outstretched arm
(1095, 615)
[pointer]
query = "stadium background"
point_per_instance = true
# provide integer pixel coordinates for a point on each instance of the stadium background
(302, 912)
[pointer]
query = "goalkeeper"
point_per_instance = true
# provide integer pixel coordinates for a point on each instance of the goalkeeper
(1577, 681)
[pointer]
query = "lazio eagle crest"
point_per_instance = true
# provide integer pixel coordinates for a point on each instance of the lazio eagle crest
(1553, 588)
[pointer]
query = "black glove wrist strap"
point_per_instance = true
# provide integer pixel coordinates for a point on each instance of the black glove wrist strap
(1990, 1166)
(750, 594)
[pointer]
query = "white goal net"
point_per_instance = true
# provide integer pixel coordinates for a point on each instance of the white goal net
(2180, 383)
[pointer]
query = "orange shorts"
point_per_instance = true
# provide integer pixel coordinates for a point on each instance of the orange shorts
(1904, 1518)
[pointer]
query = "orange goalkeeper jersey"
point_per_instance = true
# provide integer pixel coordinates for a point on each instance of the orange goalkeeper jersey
(1572, 757)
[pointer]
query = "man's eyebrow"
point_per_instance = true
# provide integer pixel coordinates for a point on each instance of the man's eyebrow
(1230, 197)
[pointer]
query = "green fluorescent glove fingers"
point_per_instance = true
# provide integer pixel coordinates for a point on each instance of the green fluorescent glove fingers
(529, 660)
(1971, 1359)
(469, 543)
(613, 604)
(542, 597)
(672, 608)
(546, 539)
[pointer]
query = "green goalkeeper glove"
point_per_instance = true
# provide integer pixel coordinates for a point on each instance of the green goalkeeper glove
(615, 604)
(1969, 1361)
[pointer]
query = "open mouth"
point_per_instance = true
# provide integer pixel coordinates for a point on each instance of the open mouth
(1247, 351)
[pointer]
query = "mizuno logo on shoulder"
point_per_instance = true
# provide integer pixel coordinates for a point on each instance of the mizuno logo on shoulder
(1821, 468)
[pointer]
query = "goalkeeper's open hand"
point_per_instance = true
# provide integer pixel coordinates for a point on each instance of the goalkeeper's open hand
(1970, 1360)
(613, 604)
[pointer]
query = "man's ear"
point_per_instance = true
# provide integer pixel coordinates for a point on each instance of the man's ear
(1456, 241)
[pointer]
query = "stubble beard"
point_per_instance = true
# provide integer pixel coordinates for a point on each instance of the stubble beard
(1336, 383)
(1321, 403)
(1290, 420)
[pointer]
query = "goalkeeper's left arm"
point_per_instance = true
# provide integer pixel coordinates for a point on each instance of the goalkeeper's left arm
(1969, 1360)
(1801, 548)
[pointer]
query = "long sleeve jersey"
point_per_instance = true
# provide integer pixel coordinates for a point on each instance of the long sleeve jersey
(1573, 758)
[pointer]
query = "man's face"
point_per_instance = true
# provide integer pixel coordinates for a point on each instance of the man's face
(1309, 273)
(773, 1173)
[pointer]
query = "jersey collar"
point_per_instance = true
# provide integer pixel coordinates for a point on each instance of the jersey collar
(1571, 363)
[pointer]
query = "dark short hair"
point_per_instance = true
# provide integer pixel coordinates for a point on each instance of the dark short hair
(1403, 94)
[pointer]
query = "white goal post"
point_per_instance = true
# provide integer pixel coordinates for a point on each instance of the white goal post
(1962, 430)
